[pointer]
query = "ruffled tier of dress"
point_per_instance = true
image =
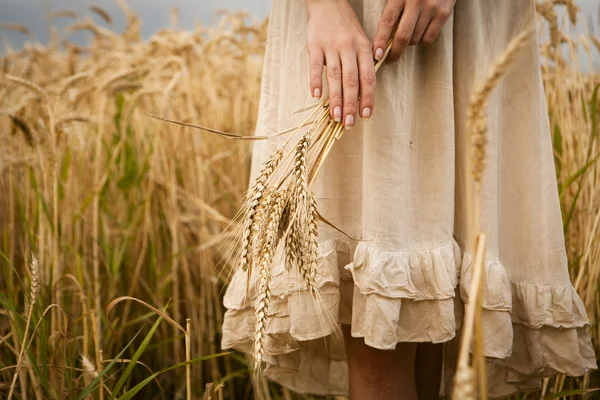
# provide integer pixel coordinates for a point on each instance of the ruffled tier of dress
(530, 331)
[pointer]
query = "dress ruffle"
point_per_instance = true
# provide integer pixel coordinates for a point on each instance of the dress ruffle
(530, 331)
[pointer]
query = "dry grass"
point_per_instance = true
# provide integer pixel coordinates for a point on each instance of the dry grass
(114, 203)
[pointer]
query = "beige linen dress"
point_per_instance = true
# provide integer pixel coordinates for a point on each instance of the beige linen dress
(397, 184)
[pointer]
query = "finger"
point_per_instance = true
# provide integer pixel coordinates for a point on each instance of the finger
(435, 26)
(422, 24)
(405, 30)
(316, 72)
(366, 71)
(388, 21)
(350, 82)
(334, 84)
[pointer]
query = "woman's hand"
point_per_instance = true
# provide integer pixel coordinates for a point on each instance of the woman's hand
(420, 22)
(336, 38)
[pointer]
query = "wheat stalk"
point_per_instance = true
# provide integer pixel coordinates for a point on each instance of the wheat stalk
(476, 128)
(35, 291)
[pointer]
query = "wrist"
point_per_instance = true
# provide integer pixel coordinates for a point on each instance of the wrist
(311, 2)
(314, 4)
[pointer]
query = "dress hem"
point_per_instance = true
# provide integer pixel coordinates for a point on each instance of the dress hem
(530, 332)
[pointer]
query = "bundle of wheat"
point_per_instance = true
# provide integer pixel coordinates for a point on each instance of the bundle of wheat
(280, 210)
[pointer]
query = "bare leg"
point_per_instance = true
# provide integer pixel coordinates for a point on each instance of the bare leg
(380, 374)
(428, 370)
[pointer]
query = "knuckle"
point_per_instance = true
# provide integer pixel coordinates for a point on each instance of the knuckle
(443, 12)
(434, 8)
(428, 39)
(316, 63)
(364, 46)
(334, 72)
(403, 37)
(315, 81)
(394, 55)
(313, 50)
(316, 66)
(388, 20)
(369, 78)
(346, 42)
(351, 78)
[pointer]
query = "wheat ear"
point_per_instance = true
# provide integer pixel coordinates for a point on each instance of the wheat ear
(266, 260)
(292, 248)
(572, 9)
(299, 173)
(15, 27)
(35, 281)
(463, 384)
(252, 203)
(311, 248)
(476, 125)
(258, 226)
(102, 14)
(476, 119)
(88, 367)
(257, 231)
(304, 234)
(547, 11)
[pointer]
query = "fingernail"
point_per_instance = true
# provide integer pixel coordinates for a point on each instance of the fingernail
(317, 93)
(349, 121)
(366, 113)
(378, 54)
(337, 113)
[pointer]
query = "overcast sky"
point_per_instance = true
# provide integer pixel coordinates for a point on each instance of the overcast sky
(155, 14)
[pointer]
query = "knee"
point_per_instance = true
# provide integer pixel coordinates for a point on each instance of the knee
(381, 374)
(375, 373)
(378, 368)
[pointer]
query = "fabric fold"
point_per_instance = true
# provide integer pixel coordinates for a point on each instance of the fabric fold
(530, 331)
(418, 275)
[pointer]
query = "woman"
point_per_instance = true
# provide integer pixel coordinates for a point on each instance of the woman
(396, 183)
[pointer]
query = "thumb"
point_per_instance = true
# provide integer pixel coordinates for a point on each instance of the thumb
(389, 19)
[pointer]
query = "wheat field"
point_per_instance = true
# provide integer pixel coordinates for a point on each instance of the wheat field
(115, 225)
